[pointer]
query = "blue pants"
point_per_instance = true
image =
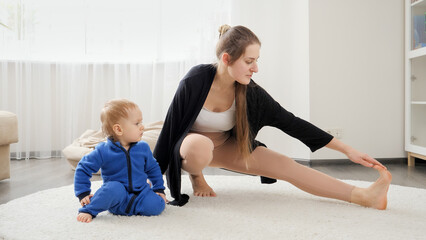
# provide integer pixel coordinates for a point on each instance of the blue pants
(114, 197)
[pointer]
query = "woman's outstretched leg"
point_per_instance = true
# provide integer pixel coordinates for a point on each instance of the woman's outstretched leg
(265, 162)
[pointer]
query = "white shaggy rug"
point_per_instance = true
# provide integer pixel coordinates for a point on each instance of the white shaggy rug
(243, 209)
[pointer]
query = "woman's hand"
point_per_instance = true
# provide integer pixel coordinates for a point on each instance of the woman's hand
(363, 158)
(86, 200)
(353, 154)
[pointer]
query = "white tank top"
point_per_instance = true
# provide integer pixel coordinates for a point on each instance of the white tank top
(208, 121)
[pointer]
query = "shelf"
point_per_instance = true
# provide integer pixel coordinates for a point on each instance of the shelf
(415, 149)
(415, 61)
(412, 156)
(417, 52)
(420, 3)
(418, 102)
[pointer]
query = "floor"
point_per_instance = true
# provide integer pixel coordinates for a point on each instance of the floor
(33, 175)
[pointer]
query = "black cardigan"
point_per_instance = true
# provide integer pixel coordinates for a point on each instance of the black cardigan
(262, 110)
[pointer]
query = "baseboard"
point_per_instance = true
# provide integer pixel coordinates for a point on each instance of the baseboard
(309, 163)
(35, 154)
(306, 162)
(346, 161)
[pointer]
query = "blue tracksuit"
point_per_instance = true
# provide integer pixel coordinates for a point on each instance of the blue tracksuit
(125, 190)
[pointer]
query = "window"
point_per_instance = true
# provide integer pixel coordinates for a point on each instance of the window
(95, 30)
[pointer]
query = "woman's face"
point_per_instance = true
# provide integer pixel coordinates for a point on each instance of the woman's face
(243, 68)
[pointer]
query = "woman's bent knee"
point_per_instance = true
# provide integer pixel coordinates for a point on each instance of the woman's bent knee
(197, 152)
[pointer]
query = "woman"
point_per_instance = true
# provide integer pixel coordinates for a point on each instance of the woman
(215, 116)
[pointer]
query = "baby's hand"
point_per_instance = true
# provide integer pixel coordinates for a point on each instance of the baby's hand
(84, 217)
(163, 196)
(86, 200)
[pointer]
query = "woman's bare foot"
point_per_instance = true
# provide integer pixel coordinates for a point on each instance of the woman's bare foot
(374, 196)
(200, 186)
(84, 217)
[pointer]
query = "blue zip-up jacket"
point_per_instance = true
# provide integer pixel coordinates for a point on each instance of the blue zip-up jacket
(132, 168)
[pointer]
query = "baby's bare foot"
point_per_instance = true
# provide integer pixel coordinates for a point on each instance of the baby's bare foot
(200, 186)
(84, 217)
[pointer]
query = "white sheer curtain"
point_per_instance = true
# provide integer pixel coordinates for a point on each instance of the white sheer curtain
(61, 60)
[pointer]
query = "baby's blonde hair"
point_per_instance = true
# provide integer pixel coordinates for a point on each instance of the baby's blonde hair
(113, 111)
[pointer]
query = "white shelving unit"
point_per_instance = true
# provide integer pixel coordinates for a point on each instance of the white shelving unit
(415, 85)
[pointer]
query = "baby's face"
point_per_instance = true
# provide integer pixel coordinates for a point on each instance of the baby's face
(132, 126)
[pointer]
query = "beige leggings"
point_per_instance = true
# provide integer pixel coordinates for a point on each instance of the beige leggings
(199, 150)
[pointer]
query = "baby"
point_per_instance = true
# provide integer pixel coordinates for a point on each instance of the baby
(126, 164)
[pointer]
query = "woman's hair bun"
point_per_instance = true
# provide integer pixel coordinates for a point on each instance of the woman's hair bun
(223, 29)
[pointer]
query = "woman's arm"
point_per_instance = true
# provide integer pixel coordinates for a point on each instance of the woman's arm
(353, 154)
(263, 110)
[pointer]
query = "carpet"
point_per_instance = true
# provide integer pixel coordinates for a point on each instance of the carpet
(244, 209)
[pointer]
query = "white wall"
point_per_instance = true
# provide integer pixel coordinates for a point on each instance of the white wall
(282, 27)
(336, 63)
(356, 73)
